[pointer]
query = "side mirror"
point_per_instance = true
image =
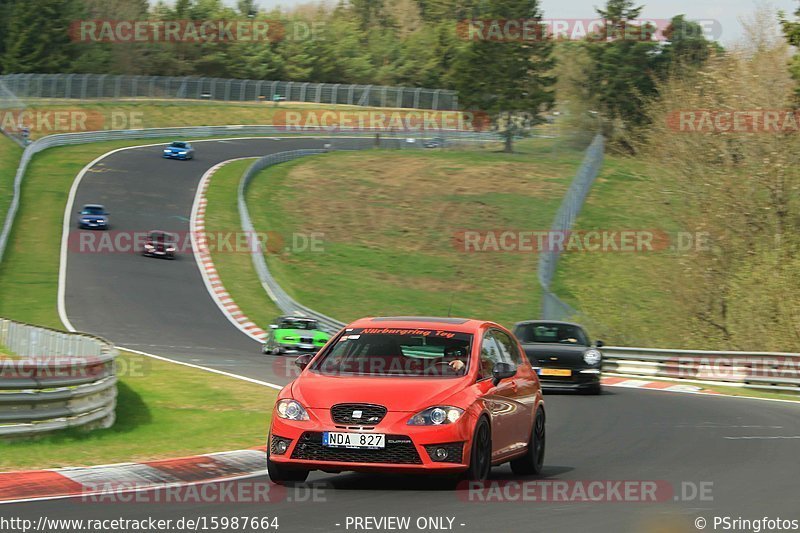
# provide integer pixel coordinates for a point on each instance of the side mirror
(273, 326)
(599, 343)
(303, 360)
(502, 371)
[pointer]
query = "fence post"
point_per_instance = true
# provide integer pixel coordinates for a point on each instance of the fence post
(68, 85)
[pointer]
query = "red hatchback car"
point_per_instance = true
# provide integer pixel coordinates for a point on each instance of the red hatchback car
(410, 394)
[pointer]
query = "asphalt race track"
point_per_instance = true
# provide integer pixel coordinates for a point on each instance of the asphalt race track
(743, 453)
(155, 305)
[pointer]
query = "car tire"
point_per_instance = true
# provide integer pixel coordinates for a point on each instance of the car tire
(480, 455)
(282, 475)
(531, 463)
(277, 351)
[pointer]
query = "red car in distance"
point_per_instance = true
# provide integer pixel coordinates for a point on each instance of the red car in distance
(410, 394)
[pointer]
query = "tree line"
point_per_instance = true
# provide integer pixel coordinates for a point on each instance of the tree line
(418, 43)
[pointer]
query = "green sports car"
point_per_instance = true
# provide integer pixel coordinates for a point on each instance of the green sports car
(294, 334)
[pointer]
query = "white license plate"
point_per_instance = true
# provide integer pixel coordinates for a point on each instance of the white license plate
(373, 441)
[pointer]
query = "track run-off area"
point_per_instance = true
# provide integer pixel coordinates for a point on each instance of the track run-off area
(706, 456)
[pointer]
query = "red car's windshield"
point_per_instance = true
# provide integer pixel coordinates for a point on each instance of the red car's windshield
(397, 352)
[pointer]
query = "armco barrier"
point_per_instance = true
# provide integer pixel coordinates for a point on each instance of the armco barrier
(64, 139)
(553, 308)
(284, 302)
(754, 370)
(55, 381)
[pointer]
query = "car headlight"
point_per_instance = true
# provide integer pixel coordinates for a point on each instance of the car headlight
(170, 248)
(149, 246)
(291, 410)
(182, 153)
(436, 416)
(291, 339)
(592, 356)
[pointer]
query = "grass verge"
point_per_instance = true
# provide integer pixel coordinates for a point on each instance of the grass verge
(235, 269)
(10, 152)
(29, 270)
(628, 296)
(163, 411)
(147, 113)
(5, 353)
(389, 222)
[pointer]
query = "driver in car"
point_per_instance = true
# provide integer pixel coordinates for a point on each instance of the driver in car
(457, 356)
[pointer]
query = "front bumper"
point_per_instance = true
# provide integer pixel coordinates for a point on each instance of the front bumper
(299, 348)
(408, 448)
(157, 253)
(175, 156)
(92, 225)
(580, 379)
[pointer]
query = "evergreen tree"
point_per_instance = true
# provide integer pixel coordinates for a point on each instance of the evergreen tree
(509, 80)
(623, 62)
(37, 38)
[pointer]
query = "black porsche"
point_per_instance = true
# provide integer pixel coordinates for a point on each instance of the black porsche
(562, 355)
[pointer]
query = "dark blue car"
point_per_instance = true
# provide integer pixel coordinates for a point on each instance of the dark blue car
(179, 150)
(93, 216)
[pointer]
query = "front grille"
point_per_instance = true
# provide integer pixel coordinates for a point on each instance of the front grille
(455, 452)
(399, 450)
(359, 414)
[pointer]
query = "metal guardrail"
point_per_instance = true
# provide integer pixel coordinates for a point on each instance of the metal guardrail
(103, 86)
(772, 371)
(278, 295)
(64, 139)
(284, 302)
(553, 308)
(59, 380)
